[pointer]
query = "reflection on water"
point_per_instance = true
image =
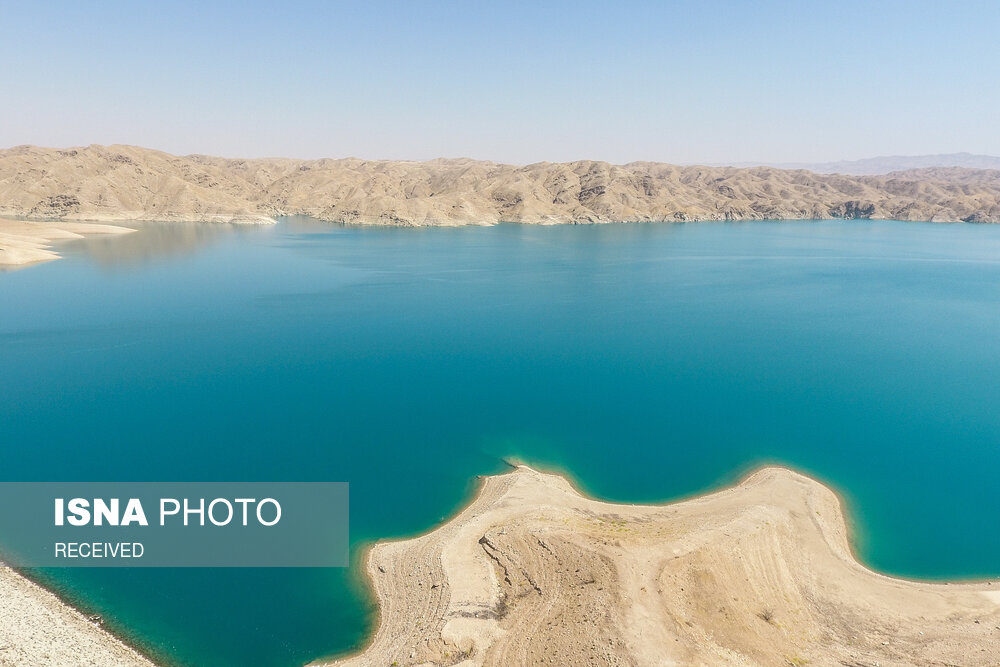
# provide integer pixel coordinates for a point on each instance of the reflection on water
(161, 240)
(152, 241)
(650, 361)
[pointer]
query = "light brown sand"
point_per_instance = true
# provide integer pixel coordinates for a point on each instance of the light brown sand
(533, 573)
(23, 243)
(39, 630)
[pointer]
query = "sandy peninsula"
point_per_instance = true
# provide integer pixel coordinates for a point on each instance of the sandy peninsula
(119, 183)
(37, 629)
(534, 573)
(24, 242)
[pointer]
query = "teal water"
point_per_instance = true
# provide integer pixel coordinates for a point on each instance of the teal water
(649, 361)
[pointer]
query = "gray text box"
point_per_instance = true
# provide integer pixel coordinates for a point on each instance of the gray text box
(142, 524)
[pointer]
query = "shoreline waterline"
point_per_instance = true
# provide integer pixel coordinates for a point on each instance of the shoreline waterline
(713, 495)
(365, 575)
(700, 350)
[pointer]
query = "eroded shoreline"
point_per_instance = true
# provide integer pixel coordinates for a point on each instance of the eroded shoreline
(23, 243)
(38, 628)
(533, 572)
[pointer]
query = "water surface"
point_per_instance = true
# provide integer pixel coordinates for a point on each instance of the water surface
(650, 361)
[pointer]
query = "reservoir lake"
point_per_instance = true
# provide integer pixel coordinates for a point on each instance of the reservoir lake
(648, 362)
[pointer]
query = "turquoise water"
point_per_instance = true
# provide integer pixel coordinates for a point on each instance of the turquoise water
(648, 361)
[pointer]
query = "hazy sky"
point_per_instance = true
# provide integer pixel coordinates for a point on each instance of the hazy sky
(708, 81)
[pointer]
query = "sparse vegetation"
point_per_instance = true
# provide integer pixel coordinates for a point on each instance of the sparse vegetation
(83, 182)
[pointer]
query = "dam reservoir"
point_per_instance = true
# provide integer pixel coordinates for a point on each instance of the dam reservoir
(647, 361)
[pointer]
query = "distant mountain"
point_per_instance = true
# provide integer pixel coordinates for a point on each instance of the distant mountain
(887, 163)
(109, 183)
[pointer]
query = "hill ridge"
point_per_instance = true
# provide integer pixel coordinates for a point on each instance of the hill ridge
(119, 183)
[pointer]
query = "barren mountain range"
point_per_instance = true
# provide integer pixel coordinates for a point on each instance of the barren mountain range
(885, 164)
(118, 183)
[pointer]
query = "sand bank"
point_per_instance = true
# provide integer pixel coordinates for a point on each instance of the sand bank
(533, 573)
(38, 629)
(24, 242)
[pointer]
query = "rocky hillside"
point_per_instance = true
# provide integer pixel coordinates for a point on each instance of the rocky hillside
(117, 183)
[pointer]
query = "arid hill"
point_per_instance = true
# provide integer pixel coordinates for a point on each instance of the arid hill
(118, 183)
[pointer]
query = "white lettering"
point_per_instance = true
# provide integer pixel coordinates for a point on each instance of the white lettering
(277, 511)
(163, 511)
(211, 513)
(104, 512)
(244, 502)
(80, 514)
(134, 513)
(99, 549)
(200, 511)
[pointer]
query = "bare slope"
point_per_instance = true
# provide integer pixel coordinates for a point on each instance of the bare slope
(36, 629)
(534, 573)
(124, 182)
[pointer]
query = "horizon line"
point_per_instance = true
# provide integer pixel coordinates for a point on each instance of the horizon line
(782, 164)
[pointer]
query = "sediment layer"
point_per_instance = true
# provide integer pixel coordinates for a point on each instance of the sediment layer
(533, 573)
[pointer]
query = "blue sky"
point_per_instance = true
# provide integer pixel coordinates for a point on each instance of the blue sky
(709, 81)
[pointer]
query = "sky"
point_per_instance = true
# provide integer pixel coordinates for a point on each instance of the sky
(706, 81)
